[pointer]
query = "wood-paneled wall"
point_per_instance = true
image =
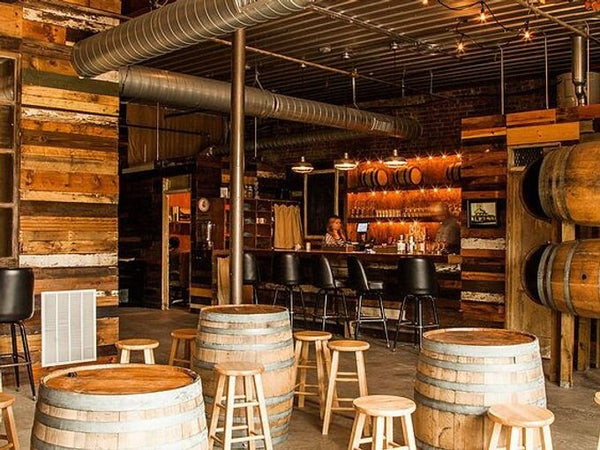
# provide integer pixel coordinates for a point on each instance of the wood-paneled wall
(68, 159)
(483, 249)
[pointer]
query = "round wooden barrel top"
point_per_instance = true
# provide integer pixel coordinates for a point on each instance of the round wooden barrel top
(243, 309)
(479, 337)
(120, 379)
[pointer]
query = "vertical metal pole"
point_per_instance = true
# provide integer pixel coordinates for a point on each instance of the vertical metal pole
(236, 168)
(501, 80)
(546, 69)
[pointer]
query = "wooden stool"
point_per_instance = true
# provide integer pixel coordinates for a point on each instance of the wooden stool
(187, 336)
(597, 400)
(11, 436)
(521, 421)
(382, 409)
(251, 373)
(303, 341)
(360, 376)
(130, 345)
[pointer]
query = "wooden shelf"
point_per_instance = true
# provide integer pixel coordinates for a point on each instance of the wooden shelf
(405, 219)
(357, 190)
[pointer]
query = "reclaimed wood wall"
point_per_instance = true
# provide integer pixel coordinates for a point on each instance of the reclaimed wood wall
(68, 159)
(483, 249)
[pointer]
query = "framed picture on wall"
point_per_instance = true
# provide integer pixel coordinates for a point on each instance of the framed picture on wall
(482, 214)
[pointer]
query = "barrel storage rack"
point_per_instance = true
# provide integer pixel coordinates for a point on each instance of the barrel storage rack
(560, 187)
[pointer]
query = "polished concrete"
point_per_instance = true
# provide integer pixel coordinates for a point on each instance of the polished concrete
(577, 417)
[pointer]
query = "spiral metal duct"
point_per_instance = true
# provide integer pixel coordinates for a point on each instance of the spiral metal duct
(173, 27)
(187, 91)
(294, 140)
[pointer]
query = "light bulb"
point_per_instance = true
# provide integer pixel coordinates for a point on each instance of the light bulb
(460, 47)
(527, 35)
(425, 2)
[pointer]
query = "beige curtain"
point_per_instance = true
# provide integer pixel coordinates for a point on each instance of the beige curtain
(288, 231)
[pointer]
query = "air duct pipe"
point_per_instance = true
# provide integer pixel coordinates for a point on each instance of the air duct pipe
(186, 91)
(579, 68)
(173, 27)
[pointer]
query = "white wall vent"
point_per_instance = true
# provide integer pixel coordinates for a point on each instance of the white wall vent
(68, 327)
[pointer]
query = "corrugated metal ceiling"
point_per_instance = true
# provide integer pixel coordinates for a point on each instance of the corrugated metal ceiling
(433, 57)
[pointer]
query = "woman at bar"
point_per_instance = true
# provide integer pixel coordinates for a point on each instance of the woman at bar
(335, 236)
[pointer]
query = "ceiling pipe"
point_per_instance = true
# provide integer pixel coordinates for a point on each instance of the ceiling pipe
(294, 140)
(186, 91)
(551, 18)
(578, 68)
(173, 27)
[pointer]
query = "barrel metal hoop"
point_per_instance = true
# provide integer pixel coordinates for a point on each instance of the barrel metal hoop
(567, 277)
(190, 443)
(480, 368)
(246, 347)
(562, 208)
(470, 410)
(550, 298)
(126, 402)
(79, 426)
(481, 350)
(423, 446)
(541, 275)
(268, 367)
(244, 331)
(481, 388)
(244, 318)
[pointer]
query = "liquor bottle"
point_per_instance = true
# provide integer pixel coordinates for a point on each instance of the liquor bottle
(401, 246)
(411, 245)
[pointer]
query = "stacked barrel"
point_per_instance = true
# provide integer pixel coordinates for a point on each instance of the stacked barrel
(564, 185)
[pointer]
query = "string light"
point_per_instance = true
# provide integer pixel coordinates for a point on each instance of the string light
(425, 2)
(527, 34)
(482, 15)
(460, 46)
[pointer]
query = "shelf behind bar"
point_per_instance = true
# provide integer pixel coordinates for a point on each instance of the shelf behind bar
(362, 189)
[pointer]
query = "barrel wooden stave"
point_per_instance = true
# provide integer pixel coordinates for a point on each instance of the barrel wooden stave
(408, 176)
(566, 181)
(565, 277)
(262, 337)
(453, 172)
(67, 416)
(453, 391)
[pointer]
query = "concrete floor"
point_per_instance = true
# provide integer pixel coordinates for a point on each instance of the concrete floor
(577, 417)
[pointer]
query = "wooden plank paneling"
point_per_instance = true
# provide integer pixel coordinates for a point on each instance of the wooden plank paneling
(540, 134)
(541, 116)
(11, 20)
(70, 100)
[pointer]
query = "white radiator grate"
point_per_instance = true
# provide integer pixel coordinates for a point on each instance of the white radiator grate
(68, 327)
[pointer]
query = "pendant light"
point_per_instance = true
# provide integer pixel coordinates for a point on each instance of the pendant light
(345, 163)
(302, 166)
(395, 161)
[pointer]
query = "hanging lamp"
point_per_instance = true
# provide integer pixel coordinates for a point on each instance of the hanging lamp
(302, 166)
(394, 161)
(345, 163)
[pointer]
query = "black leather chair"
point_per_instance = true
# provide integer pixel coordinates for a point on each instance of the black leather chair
(417, 282)
(325, 281)
(287, 277)
(16, 306)
(251, 274)
(357, 280)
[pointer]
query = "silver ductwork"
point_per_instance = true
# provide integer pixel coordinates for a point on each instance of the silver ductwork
(186, 91)
(173, 27)
(579, 68)
(293, 140)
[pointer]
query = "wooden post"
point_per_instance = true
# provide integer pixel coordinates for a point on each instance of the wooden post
(584, 333)
(567, 327)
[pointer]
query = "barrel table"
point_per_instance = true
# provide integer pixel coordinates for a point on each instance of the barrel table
(461, 372)
(253, 333)
(120, 406)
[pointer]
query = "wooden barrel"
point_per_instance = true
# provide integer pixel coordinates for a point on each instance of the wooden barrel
(408, 176)
(453, 173)
(565, 277)
(255, 333)
(564, 185)
(374, 178)
(461, 372)
(125, 406)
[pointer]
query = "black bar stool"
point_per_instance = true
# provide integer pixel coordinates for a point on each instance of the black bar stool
(325, 281)
(16, 305)
(251, 275)
(417, 282)
(357, 280)
(286, 275)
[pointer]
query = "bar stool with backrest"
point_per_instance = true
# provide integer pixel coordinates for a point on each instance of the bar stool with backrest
(287, 277)
(417, 282)
(251, 275)
(328, 285)
(16, 306)
(357, 280)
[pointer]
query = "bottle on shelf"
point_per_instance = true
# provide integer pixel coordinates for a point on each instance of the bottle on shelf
(412, 245)
(401, 245)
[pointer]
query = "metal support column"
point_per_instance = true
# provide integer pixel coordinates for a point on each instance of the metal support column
(236, 168)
